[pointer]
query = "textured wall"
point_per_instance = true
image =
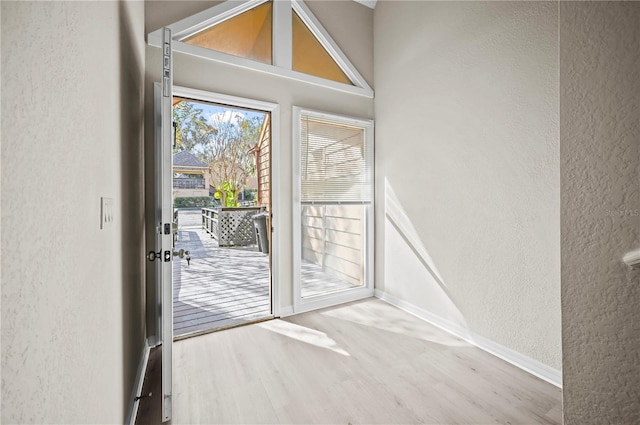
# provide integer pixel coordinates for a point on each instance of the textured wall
(600, 164)
(201, 74)
(467, 166)
(72, 294)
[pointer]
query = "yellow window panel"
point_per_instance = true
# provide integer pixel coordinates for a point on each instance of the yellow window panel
(247, 35)
(310, 57)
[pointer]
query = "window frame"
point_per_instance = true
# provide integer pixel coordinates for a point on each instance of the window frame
(301, 304)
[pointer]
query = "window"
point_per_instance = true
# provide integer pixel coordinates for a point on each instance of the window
(310, 57)
(334, 214)
(280, 37)
(247, 35)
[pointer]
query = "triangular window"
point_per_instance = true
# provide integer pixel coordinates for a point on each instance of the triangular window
(310, 57)
(247, 35)
(279, 37)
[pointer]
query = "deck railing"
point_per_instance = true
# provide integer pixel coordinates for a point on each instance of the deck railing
(231, 226)
(188, 183)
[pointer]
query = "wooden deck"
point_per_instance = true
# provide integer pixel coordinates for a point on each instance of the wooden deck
(227, 286)
(316, 282)
(221, 287)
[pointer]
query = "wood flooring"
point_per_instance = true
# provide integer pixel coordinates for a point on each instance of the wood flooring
(363, 362)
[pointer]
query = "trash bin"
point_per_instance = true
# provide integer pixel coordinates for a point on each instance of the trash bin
(260, 224)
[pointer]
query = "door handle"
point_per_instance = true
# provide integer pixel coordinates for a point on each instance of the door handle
(183, 254)
(153, 256)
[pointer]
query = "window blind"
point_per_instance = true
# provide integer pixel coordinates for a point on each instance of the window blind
(336, 162)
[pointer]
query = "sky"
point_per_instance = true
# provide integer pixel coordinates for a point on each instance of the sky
(217, 114)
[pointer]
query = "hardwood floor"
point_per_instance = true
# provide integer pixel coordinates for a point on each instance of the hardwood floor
(363, 362)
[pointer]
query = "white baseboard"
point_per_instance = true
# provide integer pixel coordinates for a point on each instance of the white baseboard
(532, 366)
(137, 388)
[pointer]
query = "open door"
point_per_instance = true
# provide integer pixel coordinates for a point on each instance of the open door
(163, 255)
(221, 181)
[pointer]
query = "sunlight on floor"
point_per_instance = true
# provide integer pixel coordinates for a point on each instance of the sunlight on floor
(387, 318)
(301, 333)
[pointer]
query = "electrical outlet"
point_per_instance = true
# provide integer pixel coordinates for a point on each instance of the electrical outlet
(106, 212)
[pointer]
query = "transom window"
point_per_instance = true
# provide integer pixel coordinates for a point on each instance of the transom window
(310, 57)
(247, 35)
(278, 37)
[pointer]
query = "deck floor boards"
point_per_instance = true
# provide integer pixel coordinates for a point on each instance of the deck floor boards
(220, 287)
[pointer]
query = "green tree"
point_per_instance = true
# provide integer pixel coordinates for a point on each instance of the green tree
(230, 154)
(193, 128)
(226, 143)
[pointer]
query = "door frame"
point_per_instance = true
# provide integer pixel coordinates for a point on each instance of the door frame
(276, 219)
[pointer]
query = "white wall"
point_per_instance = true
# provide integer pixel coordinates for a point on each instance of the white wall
(215, 77)
(467, 167)
(72, 294)
(600, 163)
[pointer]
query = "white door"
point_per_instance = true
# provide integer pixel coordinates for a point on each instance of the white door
(164, 218)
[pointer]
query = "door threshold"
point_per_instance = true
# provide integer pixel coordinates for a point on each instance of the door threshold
(223, 327)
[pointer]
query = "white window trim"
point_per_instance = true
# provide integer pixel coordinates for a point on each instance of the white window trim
(300, 304)
(282, 35)
(276, 198)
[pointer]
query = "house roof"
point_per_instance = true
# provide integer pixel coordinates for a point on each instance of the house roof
(187, 159)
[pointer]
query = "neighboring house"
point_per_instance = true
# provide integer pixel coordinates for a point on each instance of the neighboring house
(190, 176)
